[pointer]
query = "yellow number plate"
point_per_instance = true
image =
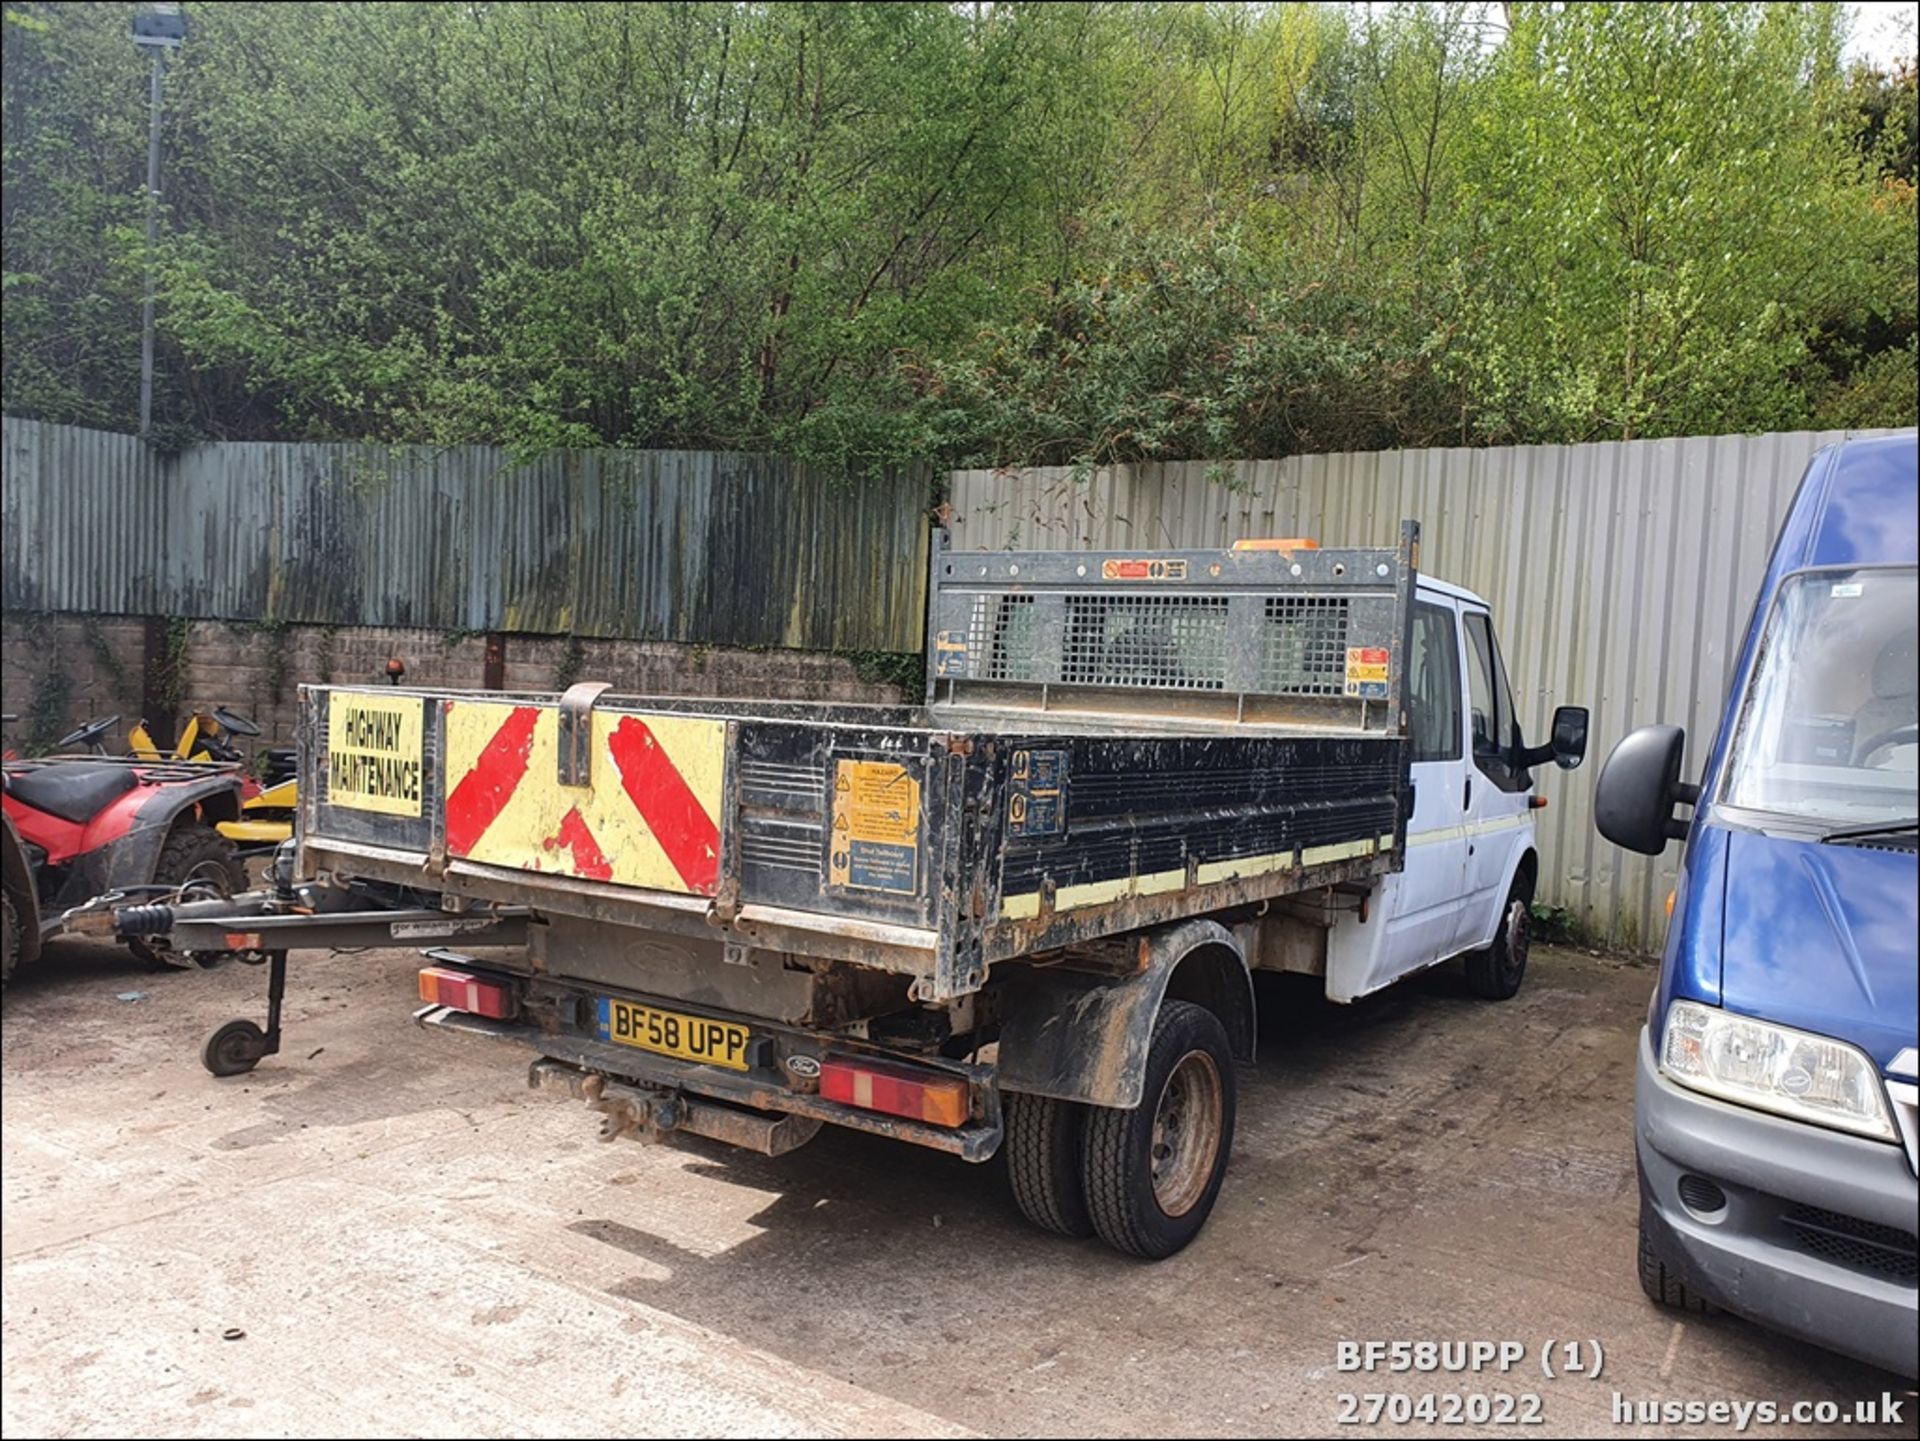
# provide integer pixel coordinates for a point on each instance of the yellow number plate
(668, 1033)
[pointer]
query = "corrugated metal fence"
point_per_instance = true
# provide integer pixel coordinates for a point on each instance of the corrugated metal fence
(646, 545)
(1620, 576)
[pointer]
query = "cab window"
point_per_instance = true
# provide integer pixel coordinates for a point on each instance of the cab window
(1433, 685)
(1496, 737)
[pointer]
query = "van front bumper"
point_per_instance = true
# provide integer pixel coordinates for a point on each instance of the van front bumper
(1816, 1235)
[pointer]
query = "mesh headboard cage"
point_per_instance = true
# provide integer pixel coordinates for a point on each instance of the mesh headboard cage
(1287, 636)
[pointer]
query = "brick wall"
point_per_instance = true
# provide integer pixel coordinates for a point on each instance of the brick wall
(77, 667)
(73, 667)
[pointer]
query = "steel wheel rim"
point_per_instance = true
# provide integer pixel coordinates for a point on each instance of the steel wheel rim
(1186, 1133)
(1518, 928)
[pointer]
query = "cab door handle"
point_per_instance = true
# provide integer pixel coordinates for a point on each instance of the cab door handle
(1466, 794)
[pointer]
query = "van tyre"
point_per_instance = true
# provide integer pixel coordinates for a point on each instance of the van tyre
(1495, 974)
(1663, 1288)
(199, 858)
(1045, 1144)
(1154, 1172)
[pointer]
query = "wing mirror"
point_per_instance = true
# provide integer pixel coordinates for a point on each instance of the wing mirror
(1569, 744)
(1639, 787)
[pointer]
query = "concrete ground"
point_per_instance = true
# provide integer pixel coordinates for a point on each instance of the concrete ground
(399, 1238)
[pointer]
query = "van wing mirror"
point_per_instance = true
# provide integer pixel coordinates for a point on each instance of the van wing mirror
(1569, 744)
(1640, 786)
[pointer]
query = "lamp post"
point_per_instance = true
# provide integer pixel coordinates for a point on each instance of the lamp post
(159, 28)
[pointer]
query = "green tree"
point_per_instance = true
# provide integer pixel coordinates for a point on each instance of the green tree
(1018, 231)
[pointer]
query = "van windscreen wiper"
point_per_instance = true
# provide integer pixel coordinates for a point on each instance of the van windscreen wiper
(1879, 828)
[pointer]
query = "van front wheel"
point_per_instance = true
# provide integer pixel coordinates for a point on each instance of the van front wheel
(1495, 973)
(1663, 1288)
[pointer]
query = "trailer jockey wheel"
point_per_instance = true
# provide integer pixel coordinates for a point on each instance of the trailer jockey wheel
(239, 1046)
(234, 1049)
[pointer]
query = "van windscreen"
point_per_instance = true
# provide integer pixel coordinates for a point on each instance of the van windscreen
(1830, 727)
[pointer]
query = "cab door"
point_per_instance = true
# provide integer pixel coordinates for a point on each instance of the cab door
(1497, 812)
(1419, 905)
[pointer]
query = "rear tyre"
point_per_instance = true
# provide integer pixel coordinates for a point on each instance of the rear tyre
(234, 1049)
(9, 938)
(196, 860)
(1663, 1288)
(1154, 1172)
(1495, 974)
(1045, 1139)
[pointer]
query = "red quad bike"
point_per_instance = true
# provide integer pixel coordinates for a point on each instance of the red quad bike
(93, 830)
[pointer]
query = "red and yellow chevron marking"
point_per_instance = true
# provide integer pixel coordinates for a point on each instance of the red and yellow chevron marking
(650, 818)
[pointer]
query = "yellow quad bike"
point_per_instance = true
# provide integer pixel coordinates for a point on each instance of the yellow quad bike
(266, 805)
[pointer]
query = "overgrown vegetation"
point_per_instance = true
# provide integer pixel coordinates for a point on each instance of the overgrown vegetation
(906, 671)
(170, 677)
(1018, 232)
(572, 661)
(276, 652)
(104, 659)
(46, 719)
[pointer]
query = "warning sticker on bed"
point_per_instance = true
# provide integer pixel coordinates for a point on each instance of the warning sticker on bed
(373, 753)
(1367, 672)
(876, 827)
(1159, 568)
(950, 653)
(1036, 804)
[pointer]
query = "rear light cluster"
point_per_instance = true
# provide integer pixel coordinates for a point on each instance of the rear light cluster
(464, 991)
(918, 1095)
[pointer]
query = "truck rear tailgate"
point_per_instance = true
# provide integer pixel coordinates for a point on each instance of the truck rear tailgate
(1114, 744)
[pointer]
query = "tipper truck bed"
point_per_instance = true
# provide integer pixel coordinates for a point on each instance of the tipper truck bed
(1024, 914)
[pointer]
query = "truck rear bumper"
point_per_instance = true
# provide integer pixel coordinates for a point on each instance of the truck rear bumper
(662, 1078)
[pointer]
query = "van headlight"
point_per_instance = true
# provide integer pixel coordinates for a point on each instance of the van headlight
(1789, 1072)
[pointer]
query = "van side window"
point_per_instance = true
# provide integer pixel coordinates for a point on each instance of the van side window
(1433, 685)
(1496, 737)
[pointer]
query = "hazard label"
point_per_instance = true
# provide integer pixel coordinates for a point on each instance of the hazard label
(1367, 672)
(950, 653)
(373, 753)
(1155, 569)
(1036, 805)
(876, 827)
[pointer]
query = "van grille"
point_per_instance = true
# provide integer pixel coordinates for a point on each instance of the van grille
(1849, 1241)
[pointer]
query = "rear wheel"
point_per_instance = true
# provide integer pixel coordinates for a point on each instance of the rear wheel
(196, 861)
(1045, 1139)
(10, 938)
(1154, 1172)
(1495, 974)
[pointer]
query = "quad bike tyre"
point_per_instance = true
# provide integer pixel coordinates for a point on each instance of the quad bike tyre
(10, 938)
(195, 857)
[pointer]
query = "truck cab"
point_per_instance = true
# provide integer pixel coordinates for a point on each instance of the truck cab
(1775, 1103)
(1472, 865)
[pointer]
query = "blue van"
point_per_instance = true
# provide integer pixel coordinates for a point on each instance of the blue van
(1774, 1115)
